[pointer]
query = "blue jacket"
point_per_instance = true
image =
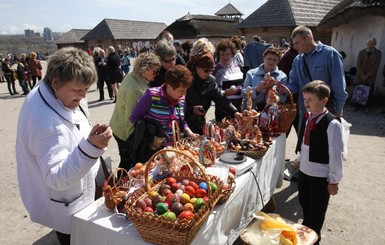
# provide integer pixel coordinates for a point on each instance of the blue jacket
(254, 77)
(325, 64)
(253, 54)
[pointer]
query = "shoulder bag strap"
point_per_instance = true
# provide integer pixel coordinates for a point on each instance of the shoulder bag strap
(306, 67)
(104, 167)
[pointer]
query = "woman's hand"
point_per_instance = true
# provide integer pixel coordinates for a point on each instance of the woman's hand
(100, 135)
(189, 133)
(238, 115)
(261, 86)
(230, 91)
(199, 110)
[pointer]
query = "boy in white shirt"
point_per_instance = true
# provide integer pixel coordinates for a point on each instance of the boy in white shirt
(321, 146)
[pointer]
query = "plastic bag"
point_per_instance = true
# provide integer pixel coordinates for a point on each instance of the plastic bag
(345, 137)
(361, 94)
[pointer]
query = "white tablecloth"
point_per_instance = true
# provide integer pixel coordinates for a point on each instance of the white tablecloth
(97, 225)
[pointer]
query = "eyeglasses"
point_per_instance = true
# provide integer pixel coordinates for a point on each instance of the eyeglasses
(169, 60)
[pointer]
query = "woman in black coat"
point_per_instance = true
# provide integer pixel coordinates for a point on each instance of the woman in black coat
(203, 91)
(114, 75)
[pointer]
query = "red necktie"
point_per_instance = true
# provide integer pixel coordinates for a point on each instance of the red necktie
(309, 127)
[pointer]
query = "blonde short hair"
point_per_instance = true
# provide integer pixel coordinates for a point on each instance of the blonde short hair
(110, 50)
(145, 61)
(70, 64)
(33, 55)
(201, 45)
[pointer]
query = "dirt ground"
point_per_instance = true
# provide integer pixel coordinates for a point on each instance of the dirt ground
(355, 215)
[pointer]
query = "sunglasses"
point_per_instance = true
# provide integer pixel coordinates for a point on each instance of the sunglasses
(208, 70)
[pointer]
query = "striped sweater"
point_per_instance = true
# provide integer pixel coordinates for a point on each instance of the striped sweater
(154, 106)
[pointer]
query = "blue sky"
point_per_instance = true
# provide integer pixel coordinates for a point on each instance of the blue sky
(63, 15)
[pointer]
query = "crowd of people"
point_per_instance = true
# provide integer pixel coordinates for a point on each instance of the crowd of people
(58, 150)
(25, 69)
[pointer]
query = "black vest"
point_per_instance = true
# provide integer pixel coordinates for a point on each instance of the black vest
(318, 144)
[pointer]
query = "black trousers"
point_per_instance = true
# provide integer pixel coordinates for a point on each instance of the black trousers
(313, 197)
(101, 82)
(64, 239)
(35, 79)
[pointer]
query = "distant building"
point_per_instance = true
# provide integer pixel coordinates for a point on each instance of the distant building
(229, 11)
(191, 27)
(352, 22)
(73, 38)
(47, 35)
(29, 33)
(123, 33)
(276, 19)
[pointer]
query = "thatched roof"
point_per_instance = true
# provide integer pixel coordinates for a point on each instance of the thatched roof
(111, 29)
(229, 9)
(351, 9)
(283, 13)
(72, 36)
(196, 26)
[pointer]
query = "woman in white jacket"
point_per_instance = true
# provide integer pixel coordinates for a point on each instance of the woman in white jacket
(57, 151)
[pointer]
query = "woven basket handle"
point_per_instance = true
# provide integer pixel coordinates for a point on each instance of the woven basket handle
(115, 173)
(175, 133)
(192, 161)
(279, 84)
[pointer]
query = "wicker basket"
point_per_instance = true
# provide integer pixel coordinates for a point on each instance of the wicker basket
(159, 230)
(206, 151)
(227, 193)
(286, 112)
(115, 187)
(255, 154)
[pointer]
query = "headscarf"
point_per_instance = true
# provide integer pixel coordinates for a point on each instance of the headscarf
(203, 59)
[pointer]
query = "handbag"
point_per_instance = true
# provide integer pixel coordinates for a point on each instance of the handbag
(103, 173)
(360, 94)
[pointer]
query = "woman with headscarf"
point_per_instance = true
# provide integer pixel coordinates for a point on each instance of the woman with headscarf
(203, 91)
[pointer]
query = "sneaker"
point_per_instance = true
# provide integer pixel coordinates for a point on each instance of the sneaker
(100, 99)
(16, 93)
